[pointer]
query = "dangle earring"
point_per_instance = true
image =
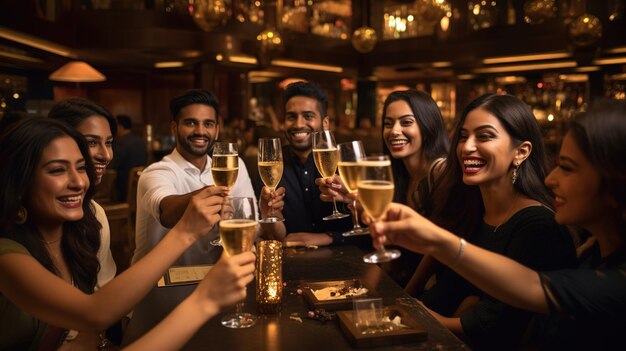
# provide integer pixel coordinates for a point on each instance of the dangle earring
(515, 174)
(22, 215)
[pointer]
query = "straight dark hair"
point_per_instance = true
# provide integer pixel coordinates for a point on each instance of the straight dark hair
(194, 96)
(435, 142)
(459, 207)
(22, 144)
(74, 111)
(307, 89)
(600, 134)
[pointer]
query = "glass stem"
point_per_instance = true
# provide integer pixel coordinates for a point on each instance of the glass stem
(239, 307)
(271, 212)
(335, 210)
(355, 215)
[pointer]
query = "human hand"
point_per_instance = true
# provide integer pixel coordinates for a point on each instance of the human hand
(332, 188)
(271, 200)
(225, 284)
(202, 212)
(403, 226)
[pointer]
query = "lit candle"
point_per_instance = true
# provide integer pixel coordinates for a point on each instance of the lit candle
(269, 276)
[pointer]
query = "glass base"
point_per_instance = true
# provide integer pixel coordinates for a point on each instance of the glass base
(336, 215)
(381, 256)
(271, 220)
(357, 231)
(239, 320)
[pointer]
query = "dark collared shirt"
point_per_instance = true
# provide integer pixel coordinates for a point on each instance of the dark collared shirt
(304, 210)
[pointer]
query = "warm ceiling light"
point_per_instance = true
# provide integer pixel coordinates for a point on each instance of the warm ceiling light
(266, 74)
(169, 64)
(610, 61)
(441, 64)
(35, 42)
(618, 76)
(533, 57)
(20, 57)
(529, 67)
(77, 71)
(618, 50)
(242, 59)
(304, 65)
(510, 80)
(466, 76)
(587, 69)
(574, 78)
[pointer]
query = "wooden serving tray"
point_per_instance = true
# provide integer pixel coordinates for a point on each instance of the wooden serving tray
(414, 333)
(345, 303)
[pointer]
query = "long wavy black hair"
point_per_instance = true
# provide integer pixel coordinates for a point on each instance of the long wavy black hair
(459, 207)
(435, 142)
(22, 144)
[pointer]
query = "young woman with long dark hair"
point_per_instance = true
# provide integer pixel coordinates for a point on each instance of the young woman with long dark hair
(581, 308)
(49, 240)
(491, 192)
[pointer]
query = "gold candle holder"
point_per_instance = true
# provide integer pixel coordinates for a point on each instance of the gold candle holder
(269, 285)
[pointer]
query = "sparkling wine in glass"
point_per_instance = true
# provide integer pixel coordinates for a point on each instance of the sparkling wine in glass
(225, 164)
(238, 231)
(325, 156)
(350, 154)
(224, 169)
(270, 169)
(375, 184)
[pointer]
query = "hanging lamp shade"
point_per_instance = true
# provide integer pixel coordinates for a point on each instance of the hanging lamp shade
(78, 72)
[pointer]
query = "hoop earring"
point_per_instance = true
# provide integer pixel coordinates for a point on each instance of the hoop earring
(515, 173)
(22, 215)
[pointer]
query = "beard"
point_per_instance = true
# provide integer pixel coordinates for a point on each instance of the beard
(300, 145)
(188, 146)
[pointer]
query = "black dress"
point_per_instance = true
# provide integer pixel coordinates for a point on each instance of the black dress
(531, 237)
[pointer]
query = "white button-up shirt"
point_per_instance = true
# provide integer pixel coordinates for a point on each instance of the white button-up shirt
(174, 175)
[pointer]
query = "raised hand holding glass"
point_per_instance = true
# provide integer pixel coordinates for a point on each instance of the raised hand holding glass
(238, 231)
(375, 184)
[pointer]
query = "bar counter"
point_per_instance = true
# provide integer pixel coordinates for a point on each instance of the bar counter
(279, 332)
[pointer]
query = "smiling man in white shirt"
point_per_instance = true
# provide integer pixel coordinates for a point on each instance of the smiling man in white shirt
(165, 187)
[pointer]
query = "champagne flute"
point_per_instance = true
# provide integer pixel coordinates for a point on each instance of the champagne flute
(349, 154)
(238, 231)
(375, 184)
(270, 169)
(224, 169)
(325, 156)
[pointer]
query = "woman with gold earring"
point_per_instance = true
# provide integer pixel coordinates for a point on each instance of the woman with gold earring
(491, 193)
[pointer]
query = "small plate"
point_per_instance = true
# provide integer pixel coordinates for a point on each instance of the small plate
(342, 303)
(412, 332)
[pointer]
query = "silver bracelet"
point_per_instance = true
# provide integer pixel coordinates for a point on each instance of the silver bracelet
(459, 254)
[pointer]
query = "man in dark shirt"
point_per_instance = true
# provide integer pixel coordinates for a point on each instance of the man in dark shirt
(302, 209)
(130, 151)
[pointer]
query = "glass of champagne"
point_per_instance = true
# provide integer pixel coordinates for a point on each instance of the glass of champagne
(326, 157)
(270, 169)
(225, 164)
(224, 169)
(238, 231)
(375, 184)
(350, 154)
